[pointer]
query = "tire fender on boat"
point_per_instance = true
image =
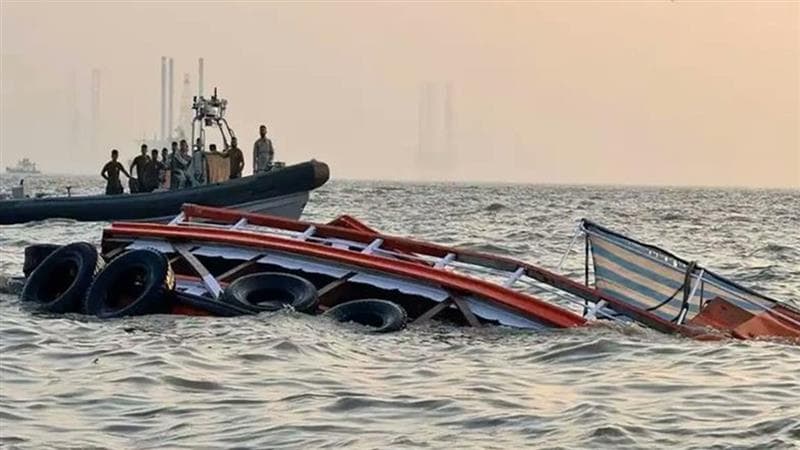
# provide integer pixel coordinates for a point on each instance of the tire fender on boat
(384, 316)
(35, 254)
(272, 291)
(60, 282)
(135, 283)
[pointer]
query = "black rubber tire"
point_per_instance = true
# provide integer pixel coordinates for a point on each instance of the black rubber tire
(35, 254)
(135, 283)
(214, 307)
(272, 291)
(382, 315)
(60, 282)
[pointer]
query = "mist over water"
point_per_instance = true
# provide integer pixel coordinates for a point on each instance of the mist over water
(292, 381)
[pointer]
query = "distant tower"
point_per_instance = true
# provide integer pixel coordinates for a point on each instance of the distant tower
(95, 109)
(435, 133)
(170, 95)
(75, 121)
(163, 115)
(185, 109)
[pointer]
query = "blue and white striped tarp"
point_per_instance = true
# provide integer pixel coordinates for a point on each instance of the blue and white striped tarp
(645, 276)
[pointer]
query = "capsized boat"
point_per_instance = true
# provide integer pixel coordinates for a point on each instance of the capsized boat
(346, 260)
(281, 192)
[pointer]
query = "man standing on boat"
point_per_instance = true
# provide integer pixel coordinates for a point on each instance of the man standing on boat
(263, 152)
(174, 168)
(180, 166)
(140, 162)
(237, 159)
(151, 170)
(110, 173)
(163, 174)
(197, 168)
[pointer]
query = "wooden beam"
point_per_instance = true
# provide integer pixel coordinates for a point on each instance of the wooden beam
(429, 314)
(211, 283)
(334, 287)
(235, 270)
(114, 253)
(464, 308)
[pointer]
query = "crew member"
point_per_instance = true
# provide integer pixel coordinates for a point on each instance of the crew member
(197, 168)
(163, 174)
(263, 152)
(236, 159)
(180, 166)
(140, 162)
(151, 170)
(174, 168)
(110, 173)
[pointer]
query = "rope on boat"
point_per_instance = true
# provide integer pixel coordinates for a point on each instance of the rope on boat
(685, 307)
(575, 235)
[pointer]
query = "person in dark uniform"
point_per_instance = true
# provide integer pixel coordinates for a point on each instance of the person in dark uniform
(110, 173)
(237, 159)
(151, 170)
(163, 174)
(174, 169)
(140, 162)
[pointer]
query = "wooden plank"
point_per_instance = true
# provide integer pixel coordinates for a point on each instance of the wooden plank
(240, 224)
(333, 288)
(211, 283)
(178, 219)
(374, 245)
(114, 253)
(308, 233)
(235, 270)
(429, 314)
(462, 305)
(514, 277)
(444, 261)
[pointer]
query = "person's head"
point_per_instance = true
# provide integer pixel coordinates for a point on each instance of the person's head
(114, 155)
(262, 130)
(184, 146)
(144, 149)
(234, 141)
(154, 154)
(212, 147)
(174, 146)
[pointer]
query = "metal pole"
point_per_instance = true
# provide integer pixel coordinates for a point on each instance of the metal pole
(163, 96)
(200, 78)
(171, 95)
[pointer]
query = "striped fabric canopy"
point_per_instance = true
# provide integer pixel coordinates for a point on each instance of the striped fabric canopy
(650, 278)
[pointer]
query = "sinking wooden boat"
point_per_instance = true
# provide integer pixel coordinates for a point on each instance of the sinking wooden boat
(282, 192)
(625, 281)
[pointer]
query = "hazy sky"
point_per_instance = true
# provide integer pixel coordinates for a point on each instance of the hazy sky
(697, 93)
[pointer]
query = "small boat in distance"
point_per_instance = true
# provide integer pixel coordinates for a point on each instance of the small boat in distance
(24, 166)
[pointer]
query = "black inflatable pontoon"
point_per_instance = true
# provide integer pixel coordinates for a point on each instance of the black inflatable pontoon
(282, 192)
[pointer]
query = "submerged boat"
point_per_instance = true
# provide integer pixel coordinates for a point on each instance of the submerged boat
(24, 166)
(282, 192)
(226, 262)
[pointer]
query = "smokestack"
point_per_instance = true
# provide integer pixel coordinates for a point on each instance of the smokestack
(200, 78)
(171, 95)
(95, 108)
(163, 96)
